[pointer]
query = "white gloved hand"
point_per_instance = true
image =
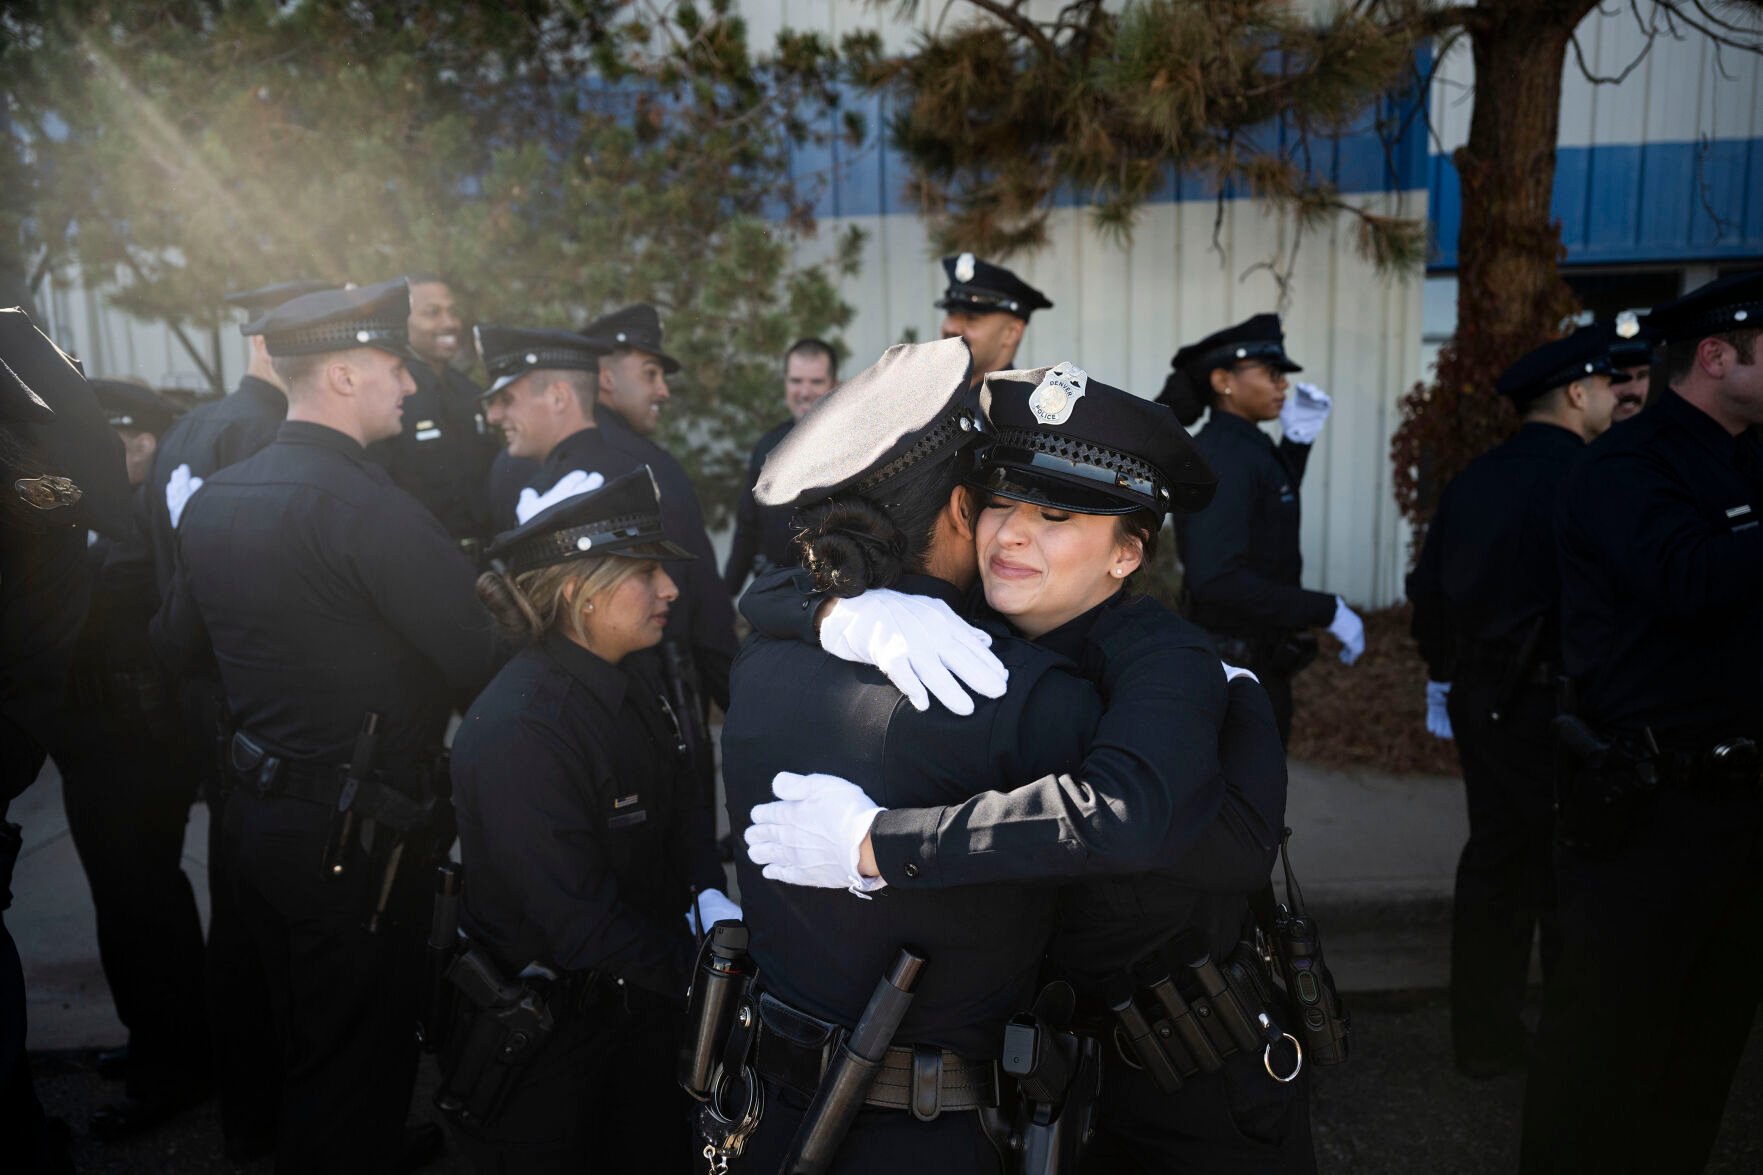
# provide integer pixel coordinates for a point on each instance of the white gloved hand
(178, 491)
(1349, 630)
(921, 645)
(1232, 672)
(1438, 719)
(1305, 411)
(576, 481)
(713, 907)
(814, 833)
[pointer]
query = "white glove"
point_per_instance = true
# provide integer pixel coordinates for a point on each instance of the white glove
(576, 481)
(921, 645)
(1438, 719)
(814, 832)
(178, 491)
(1349, 630)
(1304, 413)
(713, 907)
(1232, 672)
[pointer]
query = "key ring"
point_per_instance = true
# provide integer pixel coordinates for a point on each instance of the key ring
(1267, 1060)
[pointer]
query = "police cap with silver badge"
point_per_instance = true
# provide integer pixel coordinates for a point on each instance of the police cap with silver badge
(637, 327)
(260, 301)
(1726, 304)
(1585, 352)
(1260, 339)
(340, 320)
(622, 517)
(509, 352)
(134, 406)
(1631, 340)
(911, 406)
(979, 287)
(1064, 440)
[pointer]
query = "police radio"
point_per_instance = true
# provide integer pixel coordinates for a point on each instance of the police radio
(1322, 1019)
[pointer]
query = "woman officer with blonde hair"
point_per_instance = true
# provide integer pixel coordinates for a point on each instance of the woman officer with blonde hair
(584, 843)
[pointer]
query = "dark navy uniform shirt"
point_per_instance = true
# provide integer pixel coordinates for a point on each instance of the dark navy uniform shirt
(442, 458)
(582, 838)
(325, 591)
(1240, 553)
(702, 620)
(1487, 572)
(797, 708)
(762, 533)
(1660, 532)
(208, 439)
(508, 474)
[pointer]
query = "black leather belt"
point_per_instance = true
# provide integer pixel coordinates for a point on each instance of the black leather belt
(265, 773)
(793, 1049)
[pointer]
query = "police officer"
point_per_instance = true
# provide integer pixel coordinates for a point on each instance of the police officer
(329, 597)
(763, 535)
(584, 838)
(989, 307)
(1631, 354)
(1241, 557)
(1660, 817)
(441, 456)
(1486, 599)
(127, 787)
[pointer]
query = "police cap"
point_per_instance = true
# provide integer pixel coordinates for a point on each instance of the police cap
(1261, 339)
(1632, 341)
(340, 320)
(622, 517)
(637, 327)
(1064, 440)
(1730, 303)
(136, 406)
(509, 352)
(979, 287)
(256, 303)
(911, 406)
(1555, 364)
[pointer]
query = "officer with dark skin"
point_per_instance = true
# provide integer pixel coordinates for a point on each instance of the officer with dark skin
(441, 456)
(763, 535)
(1487, 596)
(989, 307)
(1660, 817)
(1241, 555)
(211, 437)
(127, 786)
(326, 596)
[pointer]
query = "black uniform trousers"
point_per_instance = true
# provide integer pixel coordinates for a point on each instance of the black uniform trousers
(1505, 877)
(1659, 979)
(881, 1142)
(344, 1000)
(127, 795)
(600, 1096)
(1237, 1121)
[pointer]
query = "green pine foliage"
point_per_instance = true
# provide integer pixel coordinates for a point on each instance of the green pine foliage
(554, 160)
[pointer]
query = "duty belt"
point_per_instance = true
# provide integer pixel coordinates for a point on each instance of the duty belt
(792, 1048)
(266, 774)
(1494, 661)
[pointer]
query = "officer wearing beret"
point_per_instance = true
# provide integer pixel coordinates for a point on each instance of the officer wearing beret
(442, 455)
(127, 787)
(989, 307)
(1241, 555)
(1487, 597)
(585, 838)
(345, 628)
(1660, 816)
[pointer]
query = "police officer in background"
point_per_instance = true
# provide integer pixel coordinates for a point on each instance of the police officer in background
(989, 307)
(1486, 596)
(441, 456)
(763, 534)
(1660, 820)
(127, 786)
(1241, 557)
(344, 624)
(1631, 354)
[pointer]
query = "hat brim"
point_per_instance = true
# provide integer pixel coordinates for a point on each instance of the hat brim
(502, 381)
(1040, 488)
(665, 550)
(970, 306)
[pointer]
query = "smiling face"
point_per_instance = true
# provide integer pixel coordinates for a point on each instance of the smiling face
(1043, 567)
(630, 616)
(1250, 389)
(807, 378)
(436, 331)
(633, 385)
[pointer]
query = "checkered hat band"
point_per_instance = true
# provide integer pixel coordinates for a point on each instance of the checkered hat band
(607, 536)
(946, 432)
(1084, 459)
(338, 336)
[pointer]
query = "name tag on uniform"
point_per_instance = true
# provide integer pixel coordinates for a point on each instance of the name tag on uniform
(1735, 513)
(426, 430)
(628, 812)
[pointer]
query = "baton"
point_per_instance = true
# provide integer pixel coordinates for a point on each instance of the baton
(846, 1082)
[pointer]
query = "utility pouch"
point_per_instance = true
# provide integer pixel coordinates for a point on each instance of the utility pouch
(1604, 790)
(498, 1028)
(1059, 1076)
(1295, 947)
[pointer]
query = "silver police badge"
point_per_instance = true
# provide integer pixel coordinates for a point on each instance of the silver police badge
(964, 267)
(1058, 393)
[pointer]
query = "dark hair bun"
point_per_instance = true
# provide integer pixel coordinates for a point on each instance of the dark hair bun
(1180, 394)
(516, 619)
(850, 545)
